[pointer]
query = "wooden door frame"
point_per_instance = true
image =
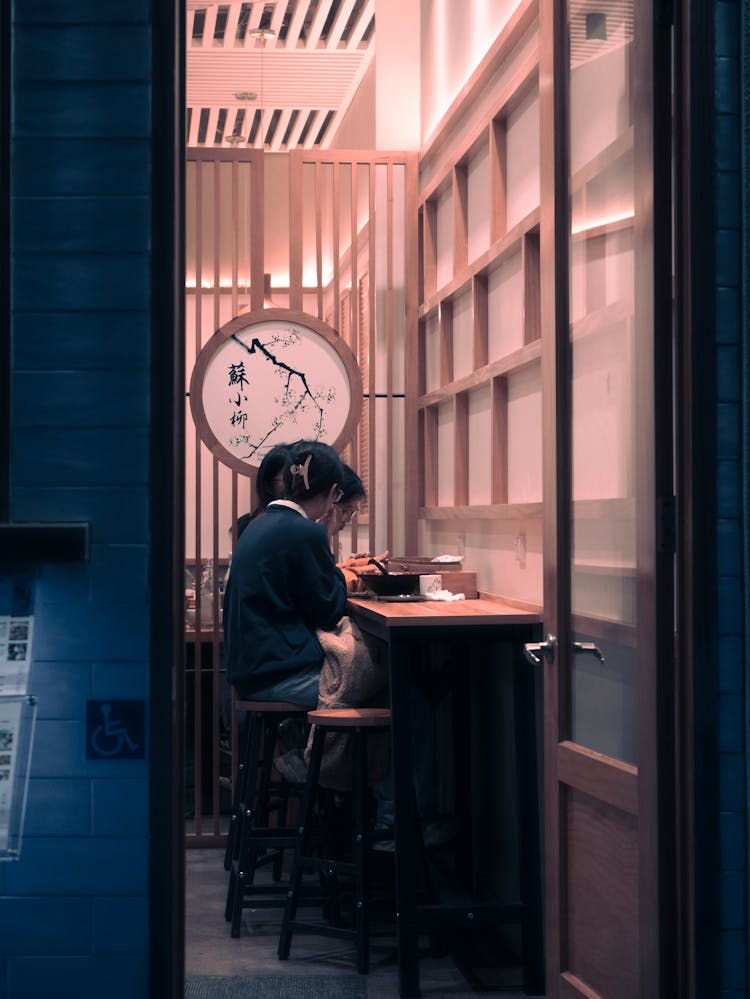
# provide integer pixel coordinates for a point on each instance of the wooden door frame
(659, 952)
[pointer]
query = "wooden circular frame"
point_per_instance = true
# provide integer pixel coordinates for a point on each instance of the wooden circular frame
(239, 324)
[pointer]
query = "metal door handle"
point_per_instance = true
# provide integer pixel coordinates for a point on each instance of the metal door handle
(590, 649)
(537, 652)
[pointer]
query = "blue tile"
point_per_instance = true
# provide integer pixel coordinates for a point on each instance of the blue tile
(733, 958)
(727, 141)
(728, 547)
(728, 488)
(732, 723)
(727, 315)
(730, 607)
(80, 867)
(118, 572)
(120, 925)
(117, 281)
(726, 29)
(61, 687)
(58, 808)
(87, 341)
(733, 852)
(83, 11)
(727, 430)
(733, 900)
(80, 166)
(726, 85)
(733, 994)
(81, 52)
(57, 457)
(732, 782)
(80, 399)
(62, 583)
(74, 225)
(728, 207)
(728, 372)
(126, 680)
(82, 111)
(731, 665)
(45, 925)
(59, 751)
(120, 807)
(105, 631)
(78, 977)
(116, 514)
(728, 257)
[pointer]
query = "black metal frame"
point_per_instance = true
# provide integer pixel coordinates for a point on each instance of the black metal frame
(5, 72)
(167, 450)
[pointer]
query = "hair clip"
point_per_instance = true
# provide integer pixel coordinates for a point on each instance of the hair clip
(302, 470)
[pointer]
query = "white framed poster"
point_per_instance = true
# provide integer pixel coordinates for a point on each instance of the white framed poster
(17, 721)
(16, 631)
(271, 377)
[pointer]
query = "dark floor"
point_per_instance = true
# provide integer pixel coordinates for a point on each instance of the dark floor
(209, 949)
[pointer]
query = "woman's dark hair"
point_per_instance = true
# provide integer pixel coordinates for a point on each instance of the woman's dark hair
(351, 485)
(273, 463)
(312, 470)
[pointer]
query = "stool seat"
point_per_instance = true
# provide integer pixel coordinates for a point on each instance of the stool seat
(271, 707)
(350, 717)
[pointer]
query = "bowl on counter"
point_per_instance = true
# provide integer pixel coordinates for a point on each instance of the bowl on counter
(394, 584)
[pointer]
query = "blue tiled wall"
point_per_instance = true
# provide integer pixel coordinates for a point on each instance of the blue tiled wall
(74, 908)
(730, 551)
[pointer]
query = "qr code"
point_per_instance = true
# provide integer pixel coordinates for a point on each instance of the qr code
(17, 650)
(3, 629)
(4, 773)
(19, 632)
(7, 736)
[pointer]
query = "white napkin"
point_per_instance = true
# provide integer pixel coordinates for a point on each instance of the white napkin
(444, 595)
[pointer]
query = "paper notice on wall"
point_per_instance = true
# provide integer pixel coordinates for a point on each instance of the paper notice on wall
(10, 733)
(16, 632)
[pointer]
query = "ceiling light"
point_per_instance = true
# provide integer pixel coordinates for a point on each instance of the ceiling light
(246, 95)
(262, 33)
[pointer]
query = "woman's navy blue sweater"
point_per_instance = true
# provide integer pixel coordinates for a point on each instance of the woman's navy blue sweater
(282, 586)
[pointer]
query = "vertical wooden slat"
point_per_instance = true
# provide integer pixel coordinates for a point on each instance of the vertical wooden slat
(460, 220)
(481, 320)
(532, 320)
(371, 340)
(295, 229)
(445, 323)
(354, 317)
(414, 361)
(198, 512)
(235, 236)
(431, 456)
(498, 179)
(461, 450)
(429, 245)
(499, 446)
(257, 261)
(336, 249)
(319, 237)
(389, 347)
(217, 246)
(594, 273)
(215, 664)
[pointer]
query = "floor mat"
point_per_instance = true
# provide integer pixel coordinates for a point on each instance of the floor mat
(275, 987)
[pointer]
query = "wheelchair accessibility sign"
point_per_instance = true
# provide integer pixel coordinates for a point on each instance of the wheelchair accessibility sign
(115, 730)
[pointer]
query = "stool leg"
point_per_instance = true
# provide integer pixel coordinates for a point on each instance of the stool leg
(260, 806)
(243, 738)
(245, 819)
(359, 793)
(303, 841)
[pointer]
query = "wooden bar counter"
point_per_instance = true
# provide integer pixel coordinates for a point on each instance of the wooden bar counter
(483, 623)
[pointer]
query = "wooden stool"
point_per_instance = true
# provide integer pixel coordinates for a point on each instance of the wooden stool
(359, 723)
(252, 842)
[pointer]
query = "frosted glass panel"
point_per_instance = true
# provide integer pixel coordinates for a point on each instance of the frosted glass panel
(522, 160)
(480, 446)
(505, 308)
(432, 353)
(446, 452)
(445, 231)
(525, 436)
(478, 198)
(463, 336)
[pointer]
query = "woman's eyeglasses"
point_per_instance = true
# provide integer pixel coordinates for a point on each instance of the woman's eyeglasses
(347, 511)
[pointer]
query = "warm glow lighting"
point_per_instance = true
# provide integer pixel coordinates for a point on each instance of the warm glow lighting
(597, 223)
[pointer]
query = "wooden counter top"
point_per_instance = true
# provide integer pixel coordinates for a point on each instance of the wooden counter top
(431, 613)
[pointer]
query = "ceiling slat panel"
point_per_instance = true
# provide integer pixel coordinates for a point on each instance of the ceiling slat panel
(213, 117)
(295, 27)
(281, 128)
(368, 12)
(337, 28)
(210, 26)
(233, 18)
(276, 22)
(317, 26)
(302, 117)
(255, 16)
